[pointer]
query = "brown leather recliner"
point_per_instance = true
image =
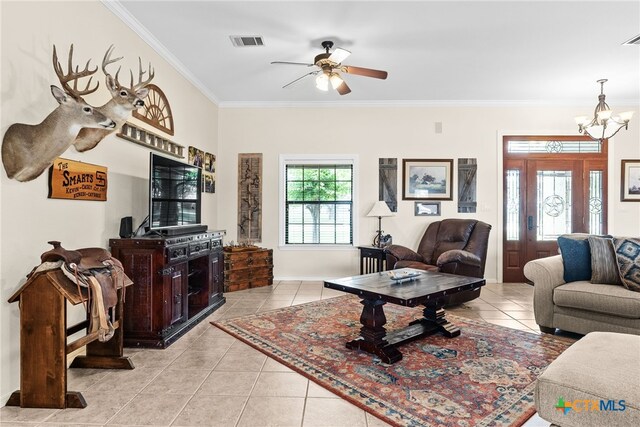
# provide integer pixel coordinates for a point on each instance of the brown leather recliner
(456, 246)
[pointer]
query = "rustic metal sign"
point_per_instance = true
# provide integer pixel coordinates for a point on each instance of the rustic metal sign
(467, 171)
(388, 182)
(73, 180)
(249, 197)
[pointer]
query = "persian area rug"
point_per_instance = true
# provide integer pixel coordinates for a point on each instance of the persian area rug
(484, 377)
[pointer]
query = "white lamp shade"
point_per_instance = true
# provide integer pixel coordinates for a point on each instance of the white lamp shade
(604, 115)
(380, 208)
(582, 120)
(600, 132)
(322, 82)
(335, 80)
(626, 116)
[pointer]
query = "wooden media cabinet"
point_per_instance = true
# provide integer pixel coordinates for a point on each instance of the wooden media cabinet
(178, 282)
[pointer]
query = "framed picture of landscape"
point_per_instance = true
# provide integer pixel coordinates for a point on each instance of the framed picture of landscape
(427, 208)
(630, 184)
(427, 179)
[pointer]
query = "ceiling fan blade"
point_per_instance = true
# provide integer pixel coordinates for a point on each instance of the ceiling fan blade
(300, 78)
(339, 55)
(293, 63)
(343, 89)
(367, 72)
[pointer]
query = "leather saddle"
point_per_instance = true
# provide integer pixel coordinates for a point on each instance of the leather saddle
(100, 273)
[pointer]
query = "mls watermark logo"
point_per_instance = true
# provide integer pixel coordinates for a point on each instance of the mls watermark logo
(588, 405)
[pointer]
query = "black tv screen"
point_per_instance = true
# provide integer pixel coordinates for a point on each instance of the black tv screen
(174, 193)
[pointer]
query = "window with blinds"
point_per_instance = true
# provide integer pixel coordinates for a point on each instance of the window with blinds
(318, 204)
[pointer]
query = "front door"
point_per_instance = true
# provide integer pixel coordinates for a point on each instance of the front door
(552, 186)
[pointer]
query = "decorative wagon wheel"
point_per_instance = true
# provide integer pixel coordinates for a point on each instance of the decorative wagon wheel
(156, 110)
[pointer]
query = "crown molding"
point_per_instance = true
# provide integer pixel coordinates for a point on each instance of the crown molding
(121, 12)
(419, 104)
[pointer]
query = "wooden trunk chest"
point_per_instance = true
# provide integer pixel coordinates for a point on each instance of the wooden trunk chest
(248, 269)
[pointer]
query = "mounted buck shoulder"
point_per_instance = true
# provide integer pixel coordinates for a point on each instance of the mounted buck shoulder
(28, 150)
(123, 101)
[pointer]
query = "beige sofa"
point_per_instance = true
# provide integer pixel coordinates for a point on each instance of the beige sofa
(580, 307)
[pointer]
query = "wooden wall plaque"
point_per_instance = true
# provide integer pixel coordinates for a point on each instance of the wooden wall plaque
(73, 180)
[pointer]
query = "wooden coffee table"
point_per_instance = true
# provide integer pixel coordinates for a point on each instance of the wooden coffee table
(376, 289)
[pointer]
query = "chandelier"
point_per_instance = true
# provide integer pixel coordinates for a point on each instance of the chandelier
(603, 125)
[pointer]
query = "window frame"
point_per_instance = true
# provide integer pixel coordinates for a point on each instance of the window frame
(316, 159)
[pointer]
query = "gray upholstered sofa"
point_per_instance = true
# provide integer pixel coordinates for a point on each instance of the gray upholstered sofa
(581, 306)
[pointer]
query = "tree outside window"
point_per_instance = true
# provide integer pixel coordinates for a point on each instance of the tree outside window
(319, 200)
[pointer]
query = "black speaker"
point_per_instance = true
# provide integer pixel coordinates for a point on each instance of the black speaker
(126, 227)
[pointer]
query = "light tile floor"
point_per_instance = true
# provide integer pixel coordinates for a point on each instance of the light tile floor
(199, 380)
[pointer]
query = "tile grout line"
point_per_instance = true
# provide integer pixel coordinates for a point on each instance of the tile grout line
(304, 405)
(246, 402)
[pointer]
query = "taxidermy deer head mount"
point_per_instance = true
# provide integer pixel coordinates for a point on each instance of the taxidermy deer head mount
(28, 150)
(123, 101)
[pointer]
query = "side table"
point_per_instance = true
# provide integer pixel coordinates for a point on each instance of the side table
(372, 259)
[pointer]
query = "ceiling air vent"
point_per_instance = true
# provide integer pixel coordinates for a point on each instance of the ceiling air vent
(634, 40)
(246, 41)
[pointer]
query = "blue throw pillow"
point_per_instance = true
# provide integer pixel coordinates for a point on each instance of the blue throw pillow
(576, 256)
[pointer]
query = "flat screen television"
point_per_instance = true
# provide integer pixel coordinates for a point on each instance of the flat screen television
(174, 193)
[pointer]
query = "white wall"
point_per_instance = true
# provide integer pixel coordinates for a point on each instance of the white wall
(401, 132)
(27, 218)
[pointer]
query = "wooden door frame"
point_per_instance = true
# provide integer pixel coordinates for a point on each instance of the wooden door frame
(608, 148)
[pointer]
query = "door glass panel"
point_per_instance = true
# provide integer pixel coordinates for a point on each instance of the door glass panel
(513, 204)
(553, 204)
(594, 206)
(554, 147)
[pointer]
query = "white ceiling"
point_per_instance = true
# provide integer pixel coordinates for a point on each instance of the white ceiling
(453, 52)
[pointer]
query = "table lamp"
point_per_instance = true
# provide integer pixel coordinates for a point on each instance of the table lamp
(379, 209)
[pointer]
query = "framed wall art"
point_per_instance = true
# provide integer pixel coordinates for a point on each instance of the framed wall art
(630, 182)
(209, 162)
(208, 183)
(427, 179)
(427, 209)
(196, 157)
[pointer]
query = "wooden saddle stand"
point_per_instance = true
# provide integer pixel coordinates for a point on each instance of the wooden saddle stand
(89, 276)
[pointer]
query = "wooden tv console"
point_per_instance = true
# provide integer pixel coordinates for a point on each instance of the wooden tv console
(177, 282)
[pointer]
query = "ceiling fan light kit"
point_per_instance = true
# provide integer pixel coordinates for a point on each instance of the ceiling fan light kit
(322, 82)
(604, 124)
(330, 66)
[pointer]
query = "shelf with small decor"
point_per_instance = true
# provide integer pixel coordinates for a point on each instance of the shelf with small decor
(151, 140)
(247, 267)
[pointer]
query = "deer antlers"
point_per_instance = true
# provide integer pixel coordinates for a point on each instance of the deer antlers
(107, 61)
(141, 74)
(73, 75)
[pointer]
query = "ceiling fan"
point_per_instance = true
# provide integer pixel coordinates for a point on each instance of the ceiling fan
(330, 66)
